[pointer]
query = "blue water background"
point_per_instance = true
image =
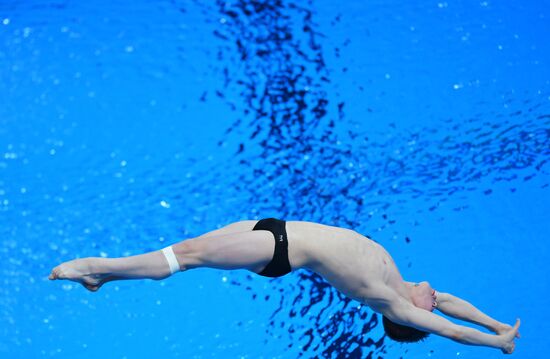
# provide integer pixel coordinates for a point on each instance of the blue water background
(127, 126)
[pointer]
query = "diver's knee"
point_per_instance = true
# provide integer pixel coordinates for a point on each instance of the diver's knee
(188, 253)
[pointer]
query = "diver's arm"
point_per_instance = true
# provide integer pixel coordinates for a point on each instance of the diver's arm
(461, 309)
(405, 313)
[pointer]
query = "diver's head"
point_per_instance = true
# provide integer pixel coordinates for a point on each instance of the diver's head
(402, 333)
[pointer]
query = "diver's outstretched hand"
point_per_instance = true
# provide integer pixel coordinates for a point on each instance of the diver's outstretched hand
(507, 337)
(503, 328)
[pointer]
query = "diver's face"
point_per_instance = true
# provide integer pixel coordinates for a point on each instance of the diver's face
(424, 296)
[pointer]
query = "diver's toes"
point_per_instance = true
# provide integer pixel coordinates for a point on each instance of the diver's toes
(53, 274)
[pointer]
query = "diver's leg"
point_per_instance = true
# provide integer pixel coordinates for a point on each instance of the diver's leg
(93, 272)
(240, 226)
(250, 250)
(152, 264)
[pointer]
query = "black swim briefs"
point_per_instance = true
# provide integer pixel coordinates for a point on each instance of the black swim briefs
(279, 265)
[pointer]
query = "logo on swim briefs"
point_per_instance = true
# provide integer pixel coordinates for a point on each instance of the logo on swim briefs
(280, 237)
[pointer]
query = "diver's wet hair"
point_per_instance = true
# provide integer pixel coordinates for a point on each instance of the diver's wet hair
(402, 333)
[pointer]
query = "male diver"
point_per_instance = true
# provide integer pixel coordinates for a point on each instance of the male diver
(357, 266)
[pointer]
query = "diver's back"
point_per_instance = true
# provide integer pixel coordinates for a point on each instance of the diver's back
(346, 259)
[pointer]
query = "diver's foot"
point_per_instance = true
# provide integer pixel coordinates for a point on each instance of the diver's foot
(81, 271)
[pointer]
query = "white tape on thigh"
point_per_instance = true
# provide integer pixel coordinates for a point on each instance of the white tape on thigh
(171, 258)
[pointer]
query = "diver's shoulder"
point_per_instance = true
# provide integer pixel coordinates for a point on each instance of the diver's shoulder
(380, 297)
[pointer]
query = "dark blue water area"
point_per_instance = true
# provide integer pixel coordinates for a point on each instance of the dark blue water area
(128, 126)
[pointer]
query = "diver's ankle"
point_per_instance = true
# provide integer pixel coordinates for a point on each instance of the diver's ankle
(99, 265)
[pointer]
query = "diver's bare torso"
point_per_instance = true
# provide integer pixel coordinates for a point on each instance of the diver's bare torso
(355, 265)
